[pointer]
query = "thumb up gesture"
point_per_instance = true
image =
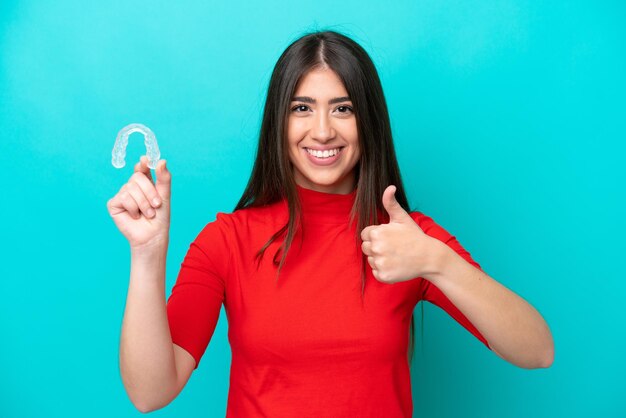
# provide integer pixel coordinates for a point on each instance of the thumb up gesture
(399, 250)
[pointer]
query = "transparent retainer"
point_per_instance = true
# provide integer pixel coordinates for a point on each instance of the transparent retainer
(119, 149)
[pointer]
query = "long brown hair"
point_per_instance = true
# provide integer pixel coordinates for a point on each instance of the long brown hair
(272, 176)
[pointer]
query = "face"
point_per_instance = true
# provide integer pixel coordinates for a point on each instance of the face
(322, 134)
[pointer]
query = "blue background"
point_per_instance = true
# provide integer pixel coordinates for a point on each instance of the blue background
(508, 118)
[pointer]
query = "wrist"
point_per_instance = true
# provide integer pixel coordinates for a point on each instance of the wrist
(150, 250)
(147, 266)
(440, 261)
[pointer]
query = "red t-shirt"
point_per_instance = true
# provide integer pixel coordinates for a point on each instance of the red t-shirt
(307, 344)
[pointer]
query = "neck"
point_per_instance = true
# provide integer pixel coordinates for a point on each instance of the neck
(323, 207)
(344, 186)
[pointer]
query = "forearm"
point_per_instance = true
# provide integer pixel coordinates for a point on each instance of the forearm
(147, 361)
(512, 327)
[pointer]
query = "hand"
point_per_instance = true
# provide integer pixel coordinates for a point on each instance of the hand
(399, 250)
(142, 220)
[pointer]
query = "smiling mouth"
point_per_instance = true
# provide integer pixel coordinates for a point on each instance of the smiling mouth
(324, 154)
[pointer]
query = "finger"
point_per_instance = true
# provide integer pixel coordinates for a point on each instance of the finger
(142, 166)
(125, 201)
(366, 247)
(393, 208)
(372, 262)
(116, 208)
(147, 188)
(164, 181)
(366, 233)
(140, 199)
(115, 205)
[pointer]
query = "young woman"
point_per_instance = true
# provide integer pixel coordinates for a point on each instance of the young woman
(319, 267)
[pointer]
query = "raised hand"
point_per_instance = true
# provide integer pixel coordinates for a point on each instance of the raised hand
(141, 209)
(399, 250)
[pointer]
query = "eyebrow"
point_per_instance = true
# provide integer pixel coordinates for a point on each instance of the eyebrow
(307, 99)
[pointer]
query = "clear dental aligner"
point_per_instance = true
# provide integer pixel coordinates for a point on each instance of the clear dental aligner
(119, 149)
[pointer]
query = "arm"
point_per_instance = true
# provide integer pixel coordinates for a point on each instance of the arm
(401, 250)
(153, 369)
(514, 329)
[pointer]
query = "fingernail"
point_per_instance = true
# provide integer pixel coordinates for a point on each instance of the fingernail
(156, 201)
(150, 212)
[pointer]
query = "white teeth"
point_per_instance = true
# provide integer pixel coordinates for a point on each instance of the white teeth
(323, 154)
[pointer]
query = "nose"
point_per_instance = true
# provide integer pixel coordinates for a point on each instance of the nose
(322, 129)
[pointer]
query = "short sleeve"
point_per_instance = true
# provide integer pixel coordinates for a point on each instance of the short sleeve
(432, 293)
(194, 305)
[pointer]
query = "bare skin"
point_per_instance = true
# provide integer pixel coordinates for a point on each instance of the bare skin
(153, 369)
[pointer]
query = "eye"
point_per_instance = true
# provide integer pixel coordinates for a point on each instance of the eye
(348, 109)
(294, 109)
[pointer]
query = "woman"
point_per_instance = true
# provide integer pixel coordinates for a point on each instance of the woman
(319, 267)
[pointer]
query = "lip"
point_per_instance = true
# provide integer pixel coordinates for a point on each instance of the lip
(323, 161)
(325, 148)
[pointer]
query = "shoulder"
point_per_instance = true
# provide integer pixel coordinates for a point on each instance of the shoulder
(429, 226)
